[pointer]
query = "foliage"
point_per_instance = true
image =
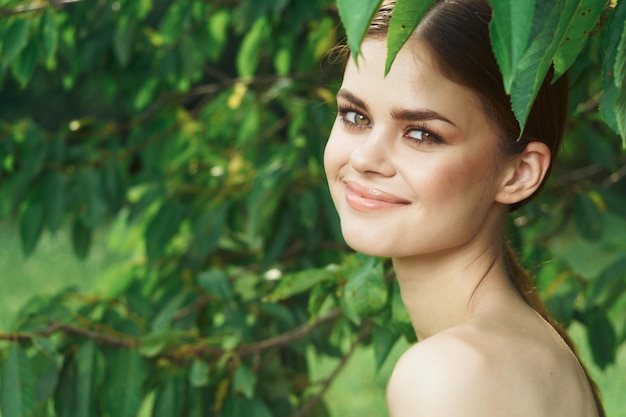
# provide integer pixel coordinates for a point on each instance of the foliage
(195, 129)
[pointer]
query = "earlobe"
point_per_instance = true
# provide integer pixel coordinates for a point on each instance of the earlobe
(525, 173)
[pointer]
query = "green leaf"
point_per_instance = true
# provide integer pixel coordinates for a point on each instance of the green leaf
(248, 54)
(356, 16)
(405, 17)
(299, 282)
(611, 39)
(534, 65)
(24, 65)
(123, 40)
(54, 187)
(162, 228)
(579, 30)
(588, 218)
(17, 391)
(216, 282)
(86, 380)
(366, 292)
(124, 384)
(236, 406)
(92, 207)
(601, 336)
(244, 381)
(169, 398)
(199, 374)
(31, 226)
(15, 39)
(510, 30)
(48, 33)
(81, 238)
(383, 340)
(168, 311)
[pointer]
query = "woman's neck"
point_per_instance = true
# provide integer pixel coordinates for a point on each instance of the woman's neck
(442, 290)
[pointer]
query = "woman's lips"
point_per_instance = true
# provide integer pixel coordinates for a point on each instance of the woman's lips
(363, 198)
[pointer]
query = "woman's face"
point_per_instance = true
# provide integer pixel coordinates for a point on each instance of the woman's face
(411, 159)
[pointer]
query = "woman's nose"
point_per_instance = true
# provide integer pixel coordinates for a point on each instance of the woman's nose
(372, 156)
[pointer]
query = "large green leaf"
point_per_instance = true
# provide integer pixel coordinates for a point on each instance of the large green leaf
(534, 65)
(86, 379)
(15, 39)
(125, 383)
(611, 39)
(366, 291)
(248, 55)
(510, 34)
(579, 30)
(17, 391)
(406, 16)
(296, 283)
(161, 228)
(601, 336)
(356, 16)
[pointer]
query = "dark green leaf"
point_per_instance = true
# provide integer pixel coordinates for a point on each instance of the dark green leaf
(365, 292)
(54, 191)
(123, 41)
(406, 16)
(601, 336)
(86, 379)
(125, 383)
(31, 225)
(611, 38)
(24, 65)
(15, 39)
(48, 33)
(588, 218)
(383, 340)
(162, 228)
(535, 63)
(510, 34)
(81, 238)
(236, 406)
(169, 398)
(244, 381)
(17, 391)
(216, 282)
(356, 16)
(579, 30)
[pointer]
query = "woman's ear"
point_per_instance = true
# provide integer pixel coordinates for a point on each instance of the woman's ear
(524, 174)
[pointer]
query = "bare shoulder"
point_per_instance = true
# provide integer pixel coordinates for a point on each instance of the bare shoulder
(444, 375)
(478, 371)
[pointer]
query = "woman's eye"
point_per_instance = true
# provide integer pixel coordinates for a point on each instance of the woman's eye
(419, 134)
(357, 118)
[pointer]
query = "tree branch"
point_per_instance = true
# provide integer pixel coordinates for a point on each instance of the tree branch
(198, 350)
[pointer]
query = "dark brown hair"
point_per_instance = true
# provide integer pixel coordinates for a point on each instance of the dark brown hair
(457, 34)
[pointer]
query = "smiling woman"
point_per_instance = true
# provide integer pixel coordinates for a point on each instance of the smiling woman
(423, 166)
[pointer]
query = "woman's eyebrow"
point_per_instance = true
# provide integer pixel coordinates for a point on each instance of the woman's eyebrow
(346, 95)
(421, 114)
(399, 114)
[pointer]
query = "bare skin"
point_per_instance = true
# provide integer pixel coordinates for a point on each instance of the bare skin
(415, 172)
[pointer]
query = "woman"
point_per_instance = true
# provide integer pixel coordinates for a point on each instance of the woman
(423, 166)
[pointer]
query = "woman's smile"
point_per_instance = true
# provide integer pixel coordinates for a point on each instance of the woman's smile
(366, 198)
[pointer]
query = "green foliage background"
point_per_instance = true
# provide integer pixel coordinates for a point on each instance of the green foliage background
(194, 131)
